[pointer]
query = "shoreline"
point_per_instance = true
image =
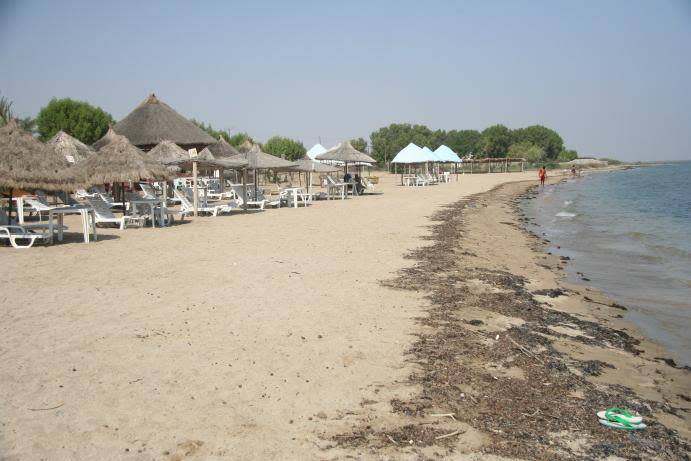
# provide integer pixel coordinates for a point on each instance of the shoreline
(509, 348)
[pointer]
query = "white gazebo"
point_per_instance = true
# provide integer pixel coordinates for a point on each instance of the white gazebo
(315, 150)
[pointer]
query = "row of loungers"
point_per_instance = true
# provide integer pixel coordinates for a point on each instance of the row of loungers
(24, 235)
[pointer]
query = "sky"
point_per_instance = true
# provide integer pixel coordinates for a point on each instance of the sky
(613, 77)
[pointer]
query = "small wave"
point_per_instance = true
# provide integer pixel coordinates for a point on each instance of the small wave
(567, 202)
(565, 214)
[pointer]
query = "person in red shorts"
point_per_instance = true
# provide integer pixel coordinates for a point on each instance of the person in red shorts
(542, 174)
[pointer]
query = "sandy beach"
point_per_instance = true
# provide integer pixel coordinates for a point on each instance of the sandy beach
(338, 330)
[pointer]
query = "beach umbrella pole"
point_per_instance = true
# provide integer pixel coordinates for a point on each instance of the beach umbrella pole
(195, 189)
(244, 189)
(9, 211)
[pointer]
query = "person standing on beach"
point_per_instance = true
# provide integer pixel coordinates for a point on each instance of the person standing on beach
(542, 174)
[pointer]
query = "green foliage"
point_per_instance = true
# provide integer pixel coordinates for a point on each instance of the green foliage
(359, 144)
(76, 118)
(234, 140)
(567, 155)
(285, 147)
(214, 133)
(495, 141)
(388, 141)
(5, 110)
(541, 136)
(527, 150)
(463, 142)
(238, 139)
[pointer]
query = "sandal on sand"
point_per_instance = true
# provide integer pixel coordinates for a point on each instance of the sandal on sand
(621, 425)
(620, 416)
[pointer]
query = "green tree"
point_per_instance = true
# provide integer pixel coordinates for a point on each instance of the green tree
(77, 118)
(527, 150)
(388, 141)
(463, 142)
(567, 156)
(5, 110)
(495, 141)
(546, 138)
(239, 138)
(285, 147)
(359, 144)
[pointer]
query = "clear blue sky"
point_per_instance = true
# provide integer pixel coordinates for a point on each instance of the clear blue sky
(613, 77)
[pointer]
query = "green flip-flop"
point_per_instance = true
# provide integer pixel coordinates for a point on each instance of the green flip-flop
(621, 425)
(620, 415)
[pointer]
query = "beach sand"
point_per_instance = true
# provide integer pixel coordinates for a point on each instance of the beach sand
(296, 334)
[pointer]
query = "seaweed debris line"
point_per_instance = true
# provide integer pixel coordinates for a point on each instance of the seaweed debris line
(512, 362)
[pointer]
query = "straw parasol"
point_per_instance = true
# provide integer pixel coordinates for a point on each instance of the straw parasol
(152, 121)
(168, 153)
(70, 147)
(346, 153)
(120, 161)
(259, 160)
(107, 138)
(26, 163)
(222, 149)
(309, 166)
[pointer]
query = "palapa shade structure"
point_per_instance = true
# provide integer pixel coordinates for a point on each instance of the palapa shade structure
(107, 138)
(152, 121)
(222, 149)
(70, 147)
(26, 163)
(168, 153)
(346, 153)
(258, 160)
(120, 161)
(309, 166)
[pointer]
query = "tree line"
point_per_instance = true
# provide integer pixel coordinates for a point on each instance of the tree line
(535, 143)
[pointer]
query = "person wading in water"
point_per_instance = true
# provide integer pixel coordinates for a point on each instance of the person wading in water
(542, 174)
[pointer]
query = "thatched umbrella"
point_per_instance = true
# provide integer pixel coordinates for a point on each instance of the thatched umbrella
(152, 121)
(346, 153)
(70, 147)
(258, 160)
(172, 155)
(26, 163)
(222, 149)
(119, 161)
(107, 138)
(309, 166)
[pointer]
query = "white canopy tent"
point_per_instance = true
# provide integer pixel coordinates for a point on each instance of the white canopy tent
(315, 150)
(409, 154)
(447, 155)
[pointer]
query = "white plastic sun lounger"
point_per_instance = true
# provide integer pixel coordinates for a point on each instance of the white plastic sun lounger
(17, 234)
(214, 210)
(105, 216)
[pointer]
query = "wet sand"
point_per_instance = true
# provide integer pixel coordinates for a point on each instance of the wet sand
(314, 333)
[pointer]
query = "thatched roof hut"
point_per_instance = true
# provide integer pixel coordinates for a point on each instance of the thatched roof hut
(174, 156)
(258, 160)
(168, 153)
(70, 147)
(246, 146)
(308, 165)
(346, 153)
(107, 138)
(120, 161)
(222, 149)
(26, 163)
(152, 121)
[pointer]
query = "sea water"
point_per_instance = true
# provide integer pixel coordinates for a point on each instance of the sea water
(629, 233)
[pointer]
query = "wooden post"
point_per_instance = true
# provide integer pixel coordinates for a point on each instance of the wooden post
(244, 189)
(195, 190)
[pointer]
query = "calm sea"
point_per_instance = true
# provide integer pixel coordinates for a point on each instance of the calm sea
(629, 232)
